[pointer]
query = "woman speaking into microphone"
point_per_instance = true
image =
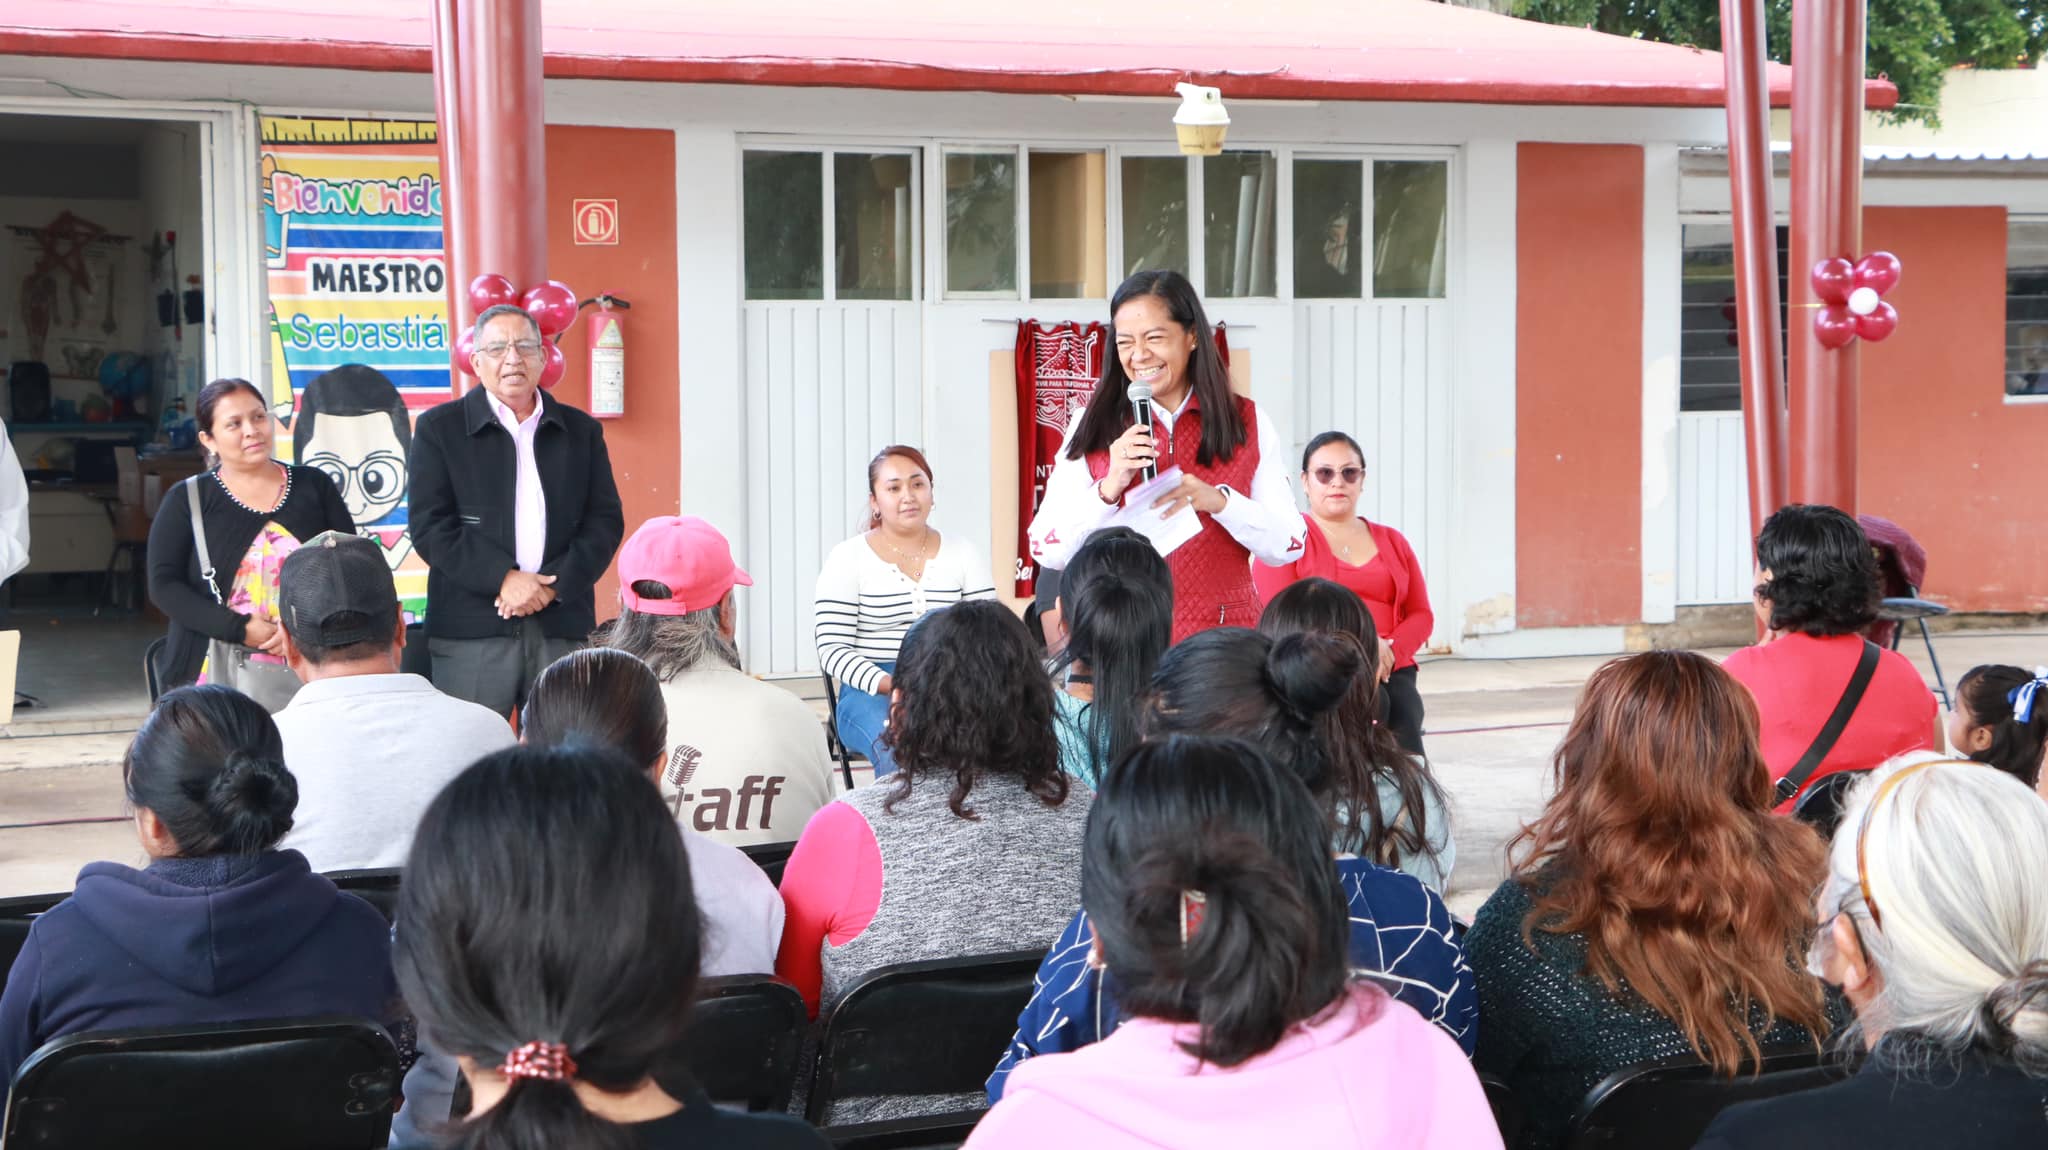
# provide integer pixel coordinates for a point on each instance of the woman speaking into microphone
(1232, 472)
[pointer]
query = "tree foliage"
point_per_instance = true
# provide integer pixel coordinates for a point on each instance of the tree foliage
(1913, 43)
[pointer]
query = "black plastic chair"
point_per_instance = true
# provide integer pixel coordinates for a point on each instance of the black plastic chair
(839, 750)
(16, 915)
(1911, 608)
(377, 886)
(770, 857)
(919, 1028)
(308, 1084)
(745, 1042)
(1820, 804)
(1671, 1101)
(152, 675)
(1507, 1109)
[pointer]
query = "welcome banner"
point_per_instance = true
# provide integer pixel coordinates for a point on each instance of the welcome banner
(358, 309)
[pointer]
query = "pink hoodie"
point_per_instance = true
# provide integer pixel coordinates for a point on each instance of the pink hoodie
(1369, 1074)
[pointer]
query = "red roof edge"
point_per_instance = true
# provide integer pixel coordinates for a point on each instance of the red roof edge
(800, 72)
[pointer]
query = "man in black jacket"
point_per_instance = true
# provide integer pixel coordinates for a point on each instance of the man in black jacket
(514, 509)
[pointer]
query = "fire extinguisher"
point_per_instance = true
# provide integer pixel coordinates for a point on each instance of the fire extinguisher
(607, 357)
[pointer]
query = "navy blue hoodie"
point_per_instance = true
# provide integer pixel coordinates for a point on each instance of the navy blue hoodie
(188, 941)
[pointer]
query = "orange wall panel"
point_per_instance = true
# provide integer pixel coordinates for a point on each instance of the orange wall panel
(1940, 452)
(636, 167)
(1578, 385)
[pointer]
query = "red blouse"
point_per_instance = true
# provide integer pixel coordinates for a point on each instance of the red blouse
(1390, 584)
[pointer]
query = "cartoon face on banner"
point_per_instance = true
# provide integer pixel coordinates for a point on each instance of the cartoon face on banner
(354, 426)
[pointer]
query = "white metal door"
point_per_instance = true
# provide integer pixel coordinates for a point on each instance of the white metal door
(1381, 372)
(828, 384)
(1714, 563)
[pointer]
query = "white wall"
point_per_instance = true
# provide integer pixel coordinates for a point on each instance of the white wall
(712, 121)
(171, 203)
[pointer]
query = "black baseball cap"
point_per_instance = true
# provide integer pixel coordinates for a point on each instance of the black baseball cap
(336, 574)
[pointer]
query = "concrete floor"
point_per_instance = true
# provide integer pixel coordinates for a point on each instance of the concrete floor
(1492, 727)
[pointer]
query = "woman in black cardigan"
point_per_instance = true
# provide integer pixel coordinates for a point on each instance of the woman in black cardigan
(245, 492)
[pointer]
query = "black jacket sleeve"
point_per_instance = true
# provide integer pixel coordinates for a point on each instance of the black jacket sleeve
(171, 586)
(603, 524)
(474, 562)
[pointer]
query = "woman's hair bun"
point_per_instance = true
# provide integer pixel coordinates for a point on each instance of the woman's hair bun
(251, 801)
(1312, 671)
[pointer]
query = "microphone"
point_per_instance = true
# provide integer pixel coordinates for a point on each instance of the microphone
(1140, 395)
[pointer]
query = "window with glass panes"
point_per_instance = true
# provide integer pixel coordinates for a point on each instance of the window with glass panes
(827, 224)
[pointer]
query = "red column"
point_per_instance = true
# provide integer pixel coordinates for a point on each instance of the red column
(1827, 221)
(487, 87)
(1756, 256)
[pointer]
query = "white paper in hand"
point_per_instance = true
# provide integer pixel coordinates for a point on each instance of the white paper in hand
(1139, 515)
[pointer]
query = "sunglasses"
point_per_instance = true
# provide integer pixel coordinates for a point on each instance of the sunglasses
(1329, 475)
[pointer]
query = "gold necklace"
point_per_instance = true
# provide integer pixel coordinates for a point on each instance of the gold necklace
(922, 543)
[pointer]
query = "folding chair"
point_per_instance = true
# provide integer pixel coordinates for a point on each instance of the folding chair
(1671, 1101)
(745, 1042)
(839, 750)
(310, 1084)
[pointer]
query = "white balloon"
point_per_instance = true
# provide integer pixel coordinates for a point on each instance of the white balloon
(1863, 301)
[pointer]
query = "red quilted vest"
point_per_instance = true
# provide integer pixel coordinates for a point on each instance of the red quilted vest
(1212, 573)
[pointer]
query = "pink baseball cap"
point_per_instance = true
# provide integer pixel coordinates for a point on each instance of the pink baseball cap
(684, 554)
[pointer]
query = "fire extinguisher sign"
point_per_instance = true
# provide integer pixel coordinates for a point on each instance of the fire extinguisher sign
(597, 222)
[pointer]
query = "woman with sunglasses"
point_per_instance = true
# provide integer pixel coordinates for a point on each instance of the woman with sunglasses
(1934, 922)
(1371, 559)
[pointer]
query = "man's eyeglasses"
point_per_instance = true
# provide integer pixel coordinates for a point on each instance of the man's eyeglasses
(1329, 475)
(527, 349)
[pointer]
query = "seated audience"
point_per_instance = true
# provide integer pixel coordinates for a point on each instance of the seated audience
(1384, 803)
(874, 586)
(1222, 927)
(550, 941)
(1115, 619)
(1934, 922)
(2001, 719)
(221, 926)
(605, 698)
(1655, 908)
(1273, 694)
(974, 849)
(1816, 591)
(746, 761)
(370, 747)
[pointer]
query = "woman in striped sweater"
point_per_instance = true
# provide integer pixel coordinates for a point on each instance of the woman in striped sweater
(876, 584)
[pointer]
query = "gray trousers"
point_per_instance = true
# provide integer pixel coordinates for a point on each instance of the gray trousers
(496, 672)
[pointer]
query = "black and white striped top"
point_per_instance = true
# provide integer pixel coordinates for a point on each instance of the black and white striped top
(866, 605)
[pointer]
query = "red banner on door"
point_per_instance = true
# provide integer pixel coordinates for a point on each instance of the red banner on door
(1057, 368)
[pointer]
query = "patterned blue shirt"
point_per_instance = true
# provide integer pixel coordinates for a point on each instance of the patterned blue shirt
(1401, 938)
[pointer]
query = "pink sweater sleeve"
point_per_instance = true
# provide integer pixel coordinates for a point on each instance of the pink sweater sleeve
(831, 889)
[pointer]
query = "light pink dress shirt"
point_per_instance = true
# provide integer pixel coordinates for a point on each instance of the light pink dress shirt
(529, 504)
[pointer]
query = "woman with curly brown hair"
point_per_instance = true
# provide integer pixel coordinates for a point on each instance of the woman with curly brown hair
(1655, 907)
(972, 847)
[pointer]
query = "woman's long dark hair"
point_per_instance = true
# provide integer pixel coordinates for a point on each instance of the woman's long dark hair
(602, 697)
(548, 899)
(1362, 750)
(1273, 693)
(1213, 815)
(209, 763)
(1987, 693)
(974, 703)
(1116, 601)
(1823, 573)
(1109, 410)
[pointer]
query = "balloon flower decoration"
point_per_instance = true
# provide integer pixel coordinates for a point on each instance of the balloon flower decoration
(552, 306)
(1852, 299)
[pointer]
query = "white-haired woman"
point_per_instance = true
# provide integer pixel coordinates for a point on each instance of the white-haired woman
(1934, 922)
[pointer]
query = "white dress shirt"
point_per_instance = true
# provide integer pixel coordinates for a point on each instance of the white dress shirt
(1266, 521)
(13, 510)
(529, 503)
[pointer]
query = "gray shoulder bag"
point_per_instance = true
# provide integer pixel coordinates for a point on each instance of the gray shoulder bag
(230, 664)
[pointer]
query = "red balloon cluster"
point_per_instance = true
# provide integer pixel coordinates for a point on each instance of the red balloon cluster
(1852, 299)
(552, 306)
